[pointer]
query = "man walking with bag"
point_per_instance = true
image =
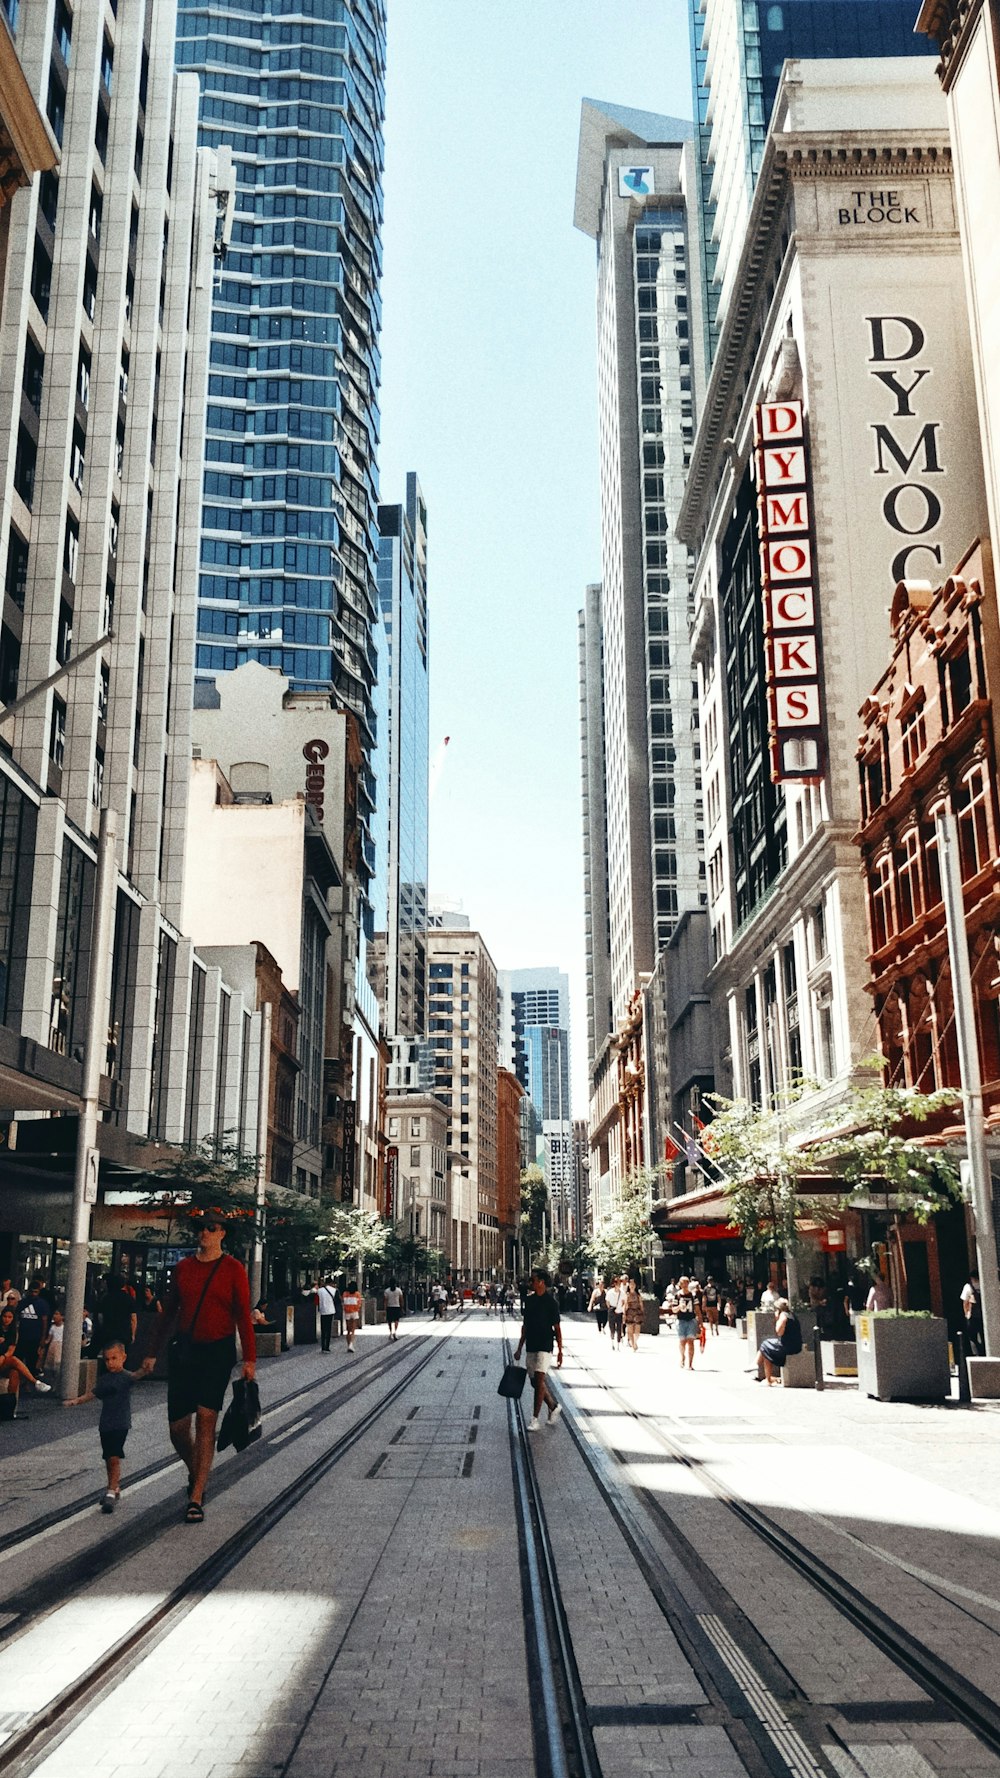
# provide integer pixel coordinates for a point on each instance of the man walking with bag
(209, 1300)
(541, 1330)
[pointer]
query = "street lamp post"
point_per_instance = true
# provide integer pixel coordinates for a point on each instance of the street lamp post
(94, 1057)
(971, 1077)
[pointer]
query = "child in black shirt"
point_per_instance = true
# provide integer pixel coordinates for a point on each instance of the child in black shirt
(113, 1390)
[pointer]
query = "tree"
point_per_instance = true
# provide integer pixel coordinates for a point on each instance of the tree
(623, 1242)
(212, 1175)
(534, 1204)
(349, 1232)
(767, 1156)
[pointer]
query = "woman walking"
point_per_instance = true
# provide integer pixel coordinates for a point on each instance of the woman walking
(688, 1321)
(633, 1313)
(598, 1305)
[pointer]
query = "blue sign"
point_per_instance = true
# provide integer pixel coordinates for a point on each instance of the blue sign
(635, 182)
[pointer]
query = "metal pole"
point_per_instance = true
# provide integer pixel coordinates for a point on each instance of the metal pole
(260, 1178)
(94, 1060)
(972, 1084)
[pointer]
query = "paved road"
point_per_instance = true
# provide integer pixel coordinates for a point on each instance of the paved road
(379, 1628)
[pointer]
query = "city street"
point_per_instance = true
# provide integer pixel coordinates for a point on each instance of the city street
(355, 1601)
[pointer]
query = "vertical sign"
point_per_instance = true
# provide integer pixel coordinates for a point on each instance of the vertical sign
(391, 1180)
(795, 718)
(350, 1152)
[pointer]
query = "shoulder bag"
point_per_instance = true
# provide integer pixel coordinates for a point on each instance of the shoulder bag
(182, 1344)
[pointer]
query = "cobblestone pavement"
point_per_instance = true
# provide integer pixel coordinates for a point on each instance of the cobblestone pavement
(378, 1629)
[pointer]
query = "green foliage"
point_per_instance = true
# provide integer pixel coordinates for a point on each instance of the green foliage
(901, 1314)
(213, 1175)
(348, 1232)
(623, 1242)
(534, 1204)
(292, 1225)
(767, 1155)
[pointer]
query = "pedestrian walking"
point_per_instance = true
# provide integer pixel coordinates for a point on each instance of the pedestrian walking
(33, 1325)
(13, 1369)
(207, 1304)
(972, 1316)
(688, 1321)
(710, 1305)
(541, 1332)
(50, 1351)
(768, 1297)
(785, 1341)
(879, 1296)
(393, 1299)
(113, 1390)
(116, 1316)
(633, 1313)
(598, 1305)
(351, 1299)
(613, 1296)
(326, 1298)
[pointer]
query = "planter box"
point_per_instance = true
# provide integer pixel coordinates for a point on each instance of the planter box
(651, 1314)
(902, 1358)
(844, 1358)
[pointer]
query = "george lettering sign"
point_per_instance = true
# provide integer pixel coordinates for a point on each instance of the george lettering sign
(784, 526)
(314, 753)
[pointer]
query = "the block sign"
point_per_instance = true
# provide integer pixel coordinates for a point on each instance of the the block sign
(795, 717)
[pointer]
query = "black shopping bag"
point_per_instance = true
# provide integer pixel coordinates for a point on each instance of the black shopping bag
(512, 1382)
(241, 1421)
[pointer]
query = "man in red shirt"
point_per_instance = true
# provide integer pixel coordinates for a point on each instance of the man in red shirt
(208, 1300)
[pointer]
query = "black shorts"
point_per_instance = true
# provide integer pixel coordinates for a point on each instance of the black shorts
(113, 1443)
(201, 1380)
(392, 1316)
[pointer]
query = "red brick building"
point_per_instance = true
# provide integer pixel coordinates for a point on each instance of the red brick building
(509, 1095)
(929, 741)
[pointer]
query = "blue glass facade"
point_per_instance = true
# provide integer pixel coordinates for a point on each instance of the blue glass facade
(289, 536)
(402, 587)
(769, 33)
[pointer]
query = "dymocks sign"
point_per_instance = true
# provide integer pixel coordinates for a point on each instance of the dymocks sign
(784, 525)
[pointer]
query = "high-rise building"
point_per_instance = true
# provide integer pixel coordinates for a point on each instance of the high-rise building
(104, 330)
(462, 1027)
(289, 528)
(402, 586)
(534, 1036)
(634, 173)
(738, 48)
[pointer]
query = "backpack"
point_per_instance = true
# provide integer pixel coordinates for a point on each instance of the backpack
(791, 1339)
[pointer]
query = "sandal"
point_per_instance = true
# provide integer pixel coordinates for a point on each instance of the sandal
(195, 1514)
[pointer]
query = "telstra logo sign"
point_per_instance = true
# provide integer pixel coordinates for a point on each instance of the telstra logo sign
(635, 182)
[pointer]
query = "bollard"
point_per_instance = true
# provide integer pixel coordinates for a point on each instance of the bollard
(961, 1361)
(818, 1357)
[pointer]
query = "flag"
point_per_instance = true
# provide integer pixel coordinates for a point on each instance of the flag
(671, 1152)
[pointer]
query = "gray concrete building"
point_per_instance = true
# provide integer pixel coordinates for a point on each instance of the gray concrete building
(110, 260)
(462, 1028)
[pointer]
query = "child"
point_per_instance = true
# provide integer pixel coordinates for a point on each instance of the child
(113, 1390)
(50, 1351)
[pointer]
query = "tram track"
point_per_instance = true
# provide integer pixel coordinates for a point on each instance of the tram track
(32, 1740)
(56, 1518)
(955, 1695)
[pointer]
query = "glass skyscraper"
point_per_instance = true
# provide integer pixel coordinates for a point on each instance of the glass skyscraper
(738, 48)
(402, 587)
(289, 529)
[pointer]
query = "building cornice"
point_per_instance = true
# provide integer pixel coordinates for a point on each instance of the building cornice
(951, 23)
(790, 156)
(27, 146)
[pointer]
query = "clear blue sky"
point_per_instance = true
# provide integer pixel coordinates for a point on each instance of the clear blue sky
(489, 393)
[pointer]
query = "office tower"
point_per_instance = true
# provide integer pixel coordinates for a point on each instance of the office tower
(289, 532)
(534, 1036)
(633, 172)
(104, 335)
(738, 48)
(595, 819)
(462, 1028)
(402, 586)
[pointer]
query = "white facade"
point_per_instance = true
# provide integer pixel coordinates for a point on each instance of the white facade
(416, 1127)
(850, 301)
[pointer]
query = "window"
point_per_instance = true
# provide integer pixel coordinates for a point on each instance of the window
(882, 921)
(914, 733)
(83, 378)
(34, 369)
(972, 811)
(64, 633)
(414, 1157)
(78, 461)
(959, 683)
(96, 213)
(16, 580)
(57, 733)
(24, 466)
(908, 875)
(414, 1126)
(41, 280)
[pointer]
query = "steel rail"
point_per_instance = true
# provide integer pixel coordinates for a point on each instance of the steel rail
(963, 1700)
(21, 1752)
(568, 1750)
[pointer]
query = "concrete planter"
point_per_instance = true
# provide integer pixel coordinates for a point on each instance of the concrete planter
(651, 1314)
(902, 1357)
(984, 1378)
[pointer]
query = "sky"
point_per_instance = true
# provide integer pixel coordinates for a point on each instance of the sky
(489, 392)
